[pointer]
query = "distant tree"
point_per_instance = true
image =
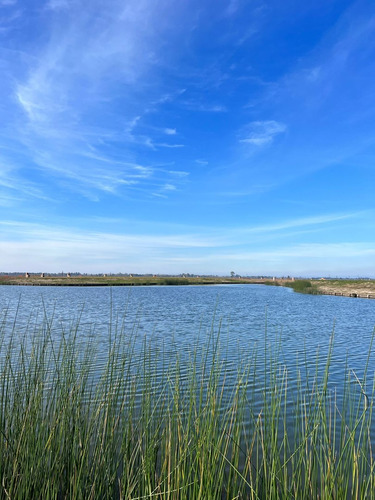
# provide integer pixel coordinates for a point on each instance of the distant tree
(232, 274)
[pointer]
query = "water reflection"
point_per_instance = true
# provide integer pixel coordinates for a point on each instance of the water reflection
(177, 319)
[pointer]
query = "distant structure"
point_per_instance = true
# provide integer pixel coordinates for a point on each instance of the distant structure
(42, 275)
(27, 275)
(293, 279)
(68, 275)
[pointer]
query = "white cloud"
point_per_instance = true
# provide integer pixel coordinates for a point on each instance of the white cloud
(260, 133)
(178, 173)
(166, 145)
(169, 187)
(195, 105)
(170, 131)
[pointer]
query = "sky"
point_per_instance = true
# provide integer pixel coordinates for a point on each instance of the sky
(198, 136)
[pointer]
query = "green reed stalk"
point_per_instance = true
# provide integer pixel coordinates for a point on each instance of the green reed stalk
(146, 426)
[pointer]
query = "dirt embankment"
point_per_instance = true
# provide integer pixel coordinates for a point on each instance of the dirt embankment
(348, 288)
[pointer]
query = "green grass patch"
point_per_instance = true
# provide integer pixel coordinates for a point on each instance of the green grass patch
(303, 286)
(175, 281)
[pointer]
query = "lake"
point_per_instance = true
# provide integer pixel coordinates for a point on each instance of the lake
(214, 392)
(175, 319)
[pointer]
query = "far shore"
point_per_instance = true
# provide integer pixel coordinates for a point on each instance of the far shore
(124, 280)
(359, 288)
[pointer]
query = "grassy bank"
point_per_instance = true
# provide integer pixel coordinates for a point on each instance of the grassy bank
(113, 280)
(299, 286)
(303, 286)
(143, 426)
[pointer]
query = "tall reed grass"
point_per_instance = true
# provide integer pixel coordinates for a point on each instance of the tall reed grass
(136, 425)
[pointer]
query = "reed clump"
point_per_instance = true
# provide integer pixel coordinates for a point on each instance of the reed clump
(303, 286)
(77, 423)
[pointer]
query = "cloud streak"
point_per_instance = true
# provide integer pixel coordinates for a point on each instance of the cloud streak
(58, 246)
(77, 75)
(262, 133)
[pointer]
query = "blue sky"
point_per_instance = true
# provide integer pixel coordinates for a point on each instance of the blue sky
(149, 136)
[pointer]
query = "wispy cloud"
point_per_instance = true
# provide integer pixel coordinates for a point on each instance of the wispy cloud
(30, 233)
(337, 61)
(169, 187)
(179, 173)
(114, 253)
(89, 69)
(261, 133)
(15, 188)
(196, 105)
(303, 222)
(186, 236)
(166, 145)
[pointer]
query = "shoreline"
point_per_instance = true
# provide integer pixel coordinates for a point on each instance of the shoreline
(362, 289)
(343, 288)
(123, 281)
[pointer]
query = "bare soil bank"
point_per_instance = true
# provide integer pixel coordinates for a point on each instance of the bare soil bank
(348, 288)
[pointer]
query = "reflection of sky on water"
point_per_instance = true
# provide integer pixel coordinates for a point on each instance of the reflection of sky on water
(175, 319)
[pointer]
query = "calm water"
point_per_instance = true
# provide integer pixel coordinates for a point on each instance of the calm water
(177, 318)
